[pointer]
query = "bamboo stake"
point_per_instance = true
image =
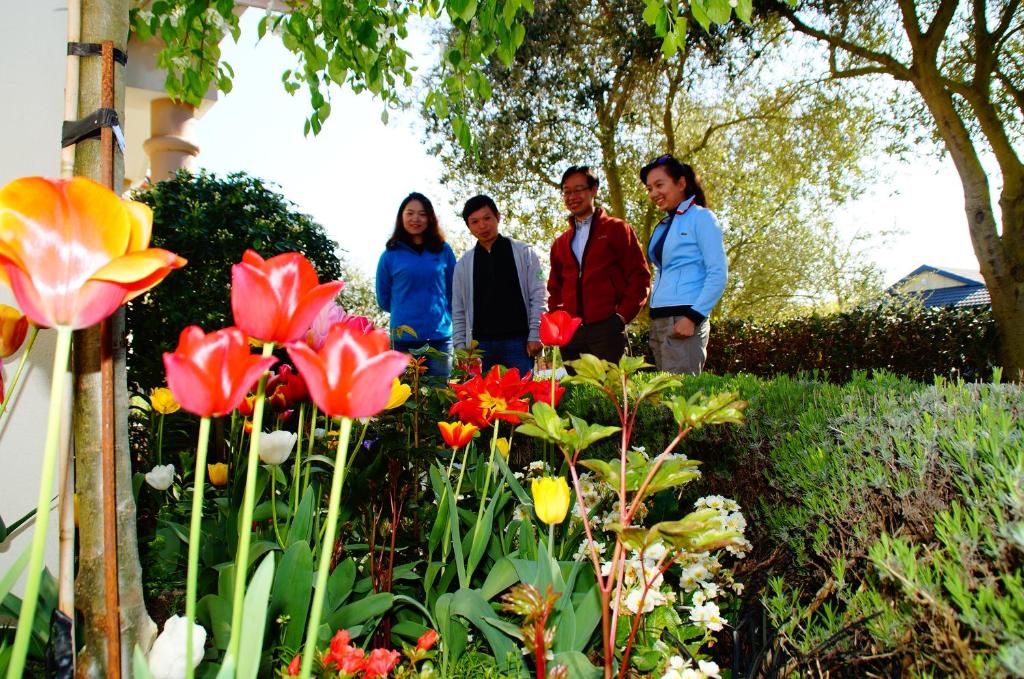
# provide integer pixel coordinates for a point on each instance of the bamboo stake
(65, 508)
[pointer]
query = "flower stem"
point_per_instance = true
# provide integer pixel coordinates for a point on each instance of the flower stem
(245, 526)
(297, 465)
(273, 506)
(33, 331)
(35, 565)
(309, 450)
(487, 482)
(160, 440)
(326, 549)
(194, 536)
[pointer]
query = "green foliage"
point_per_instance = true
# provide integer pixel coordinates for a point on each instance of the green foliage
(887, 517)
(210, 222)
(913, 341)
(358, 44)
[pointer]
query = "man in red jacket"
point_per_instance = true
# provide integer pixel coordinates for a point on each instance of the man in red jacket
(598, 271)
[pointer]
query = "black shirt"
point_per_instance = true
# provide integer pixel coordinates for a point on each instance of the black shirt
(499, 311)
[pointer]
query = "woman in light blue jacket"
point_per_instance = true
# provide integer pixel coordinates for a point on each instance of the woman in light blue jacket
(688, 253)
(414, 283)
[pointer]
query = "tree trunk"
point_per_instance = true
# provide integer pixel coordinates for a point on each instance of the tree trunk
(104, 20)
(1003, 271)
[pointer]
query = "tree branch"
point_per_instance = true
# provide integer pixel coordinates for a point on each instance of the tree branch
(890, 63)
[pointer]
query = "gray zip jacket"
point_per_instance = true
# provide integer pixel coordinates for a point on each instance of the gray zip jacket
(531, 284)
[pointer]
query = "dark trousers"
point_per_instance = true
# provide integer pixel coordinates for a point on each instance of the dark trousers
(605, 339)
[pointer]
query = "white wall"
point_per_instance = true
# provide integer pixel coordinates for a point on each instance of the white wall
(33, 33)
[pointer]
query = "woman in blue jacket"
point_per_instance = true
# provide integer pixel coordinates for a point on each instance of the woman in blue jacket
(414, 283)
(691, 270)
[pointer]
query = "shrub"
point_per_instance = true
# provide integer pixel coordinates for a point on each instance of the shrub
(913, 341)
(886, 516)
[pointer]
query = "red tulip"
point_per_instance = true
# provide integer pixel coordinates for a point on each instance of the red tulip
(482, 400)
(210, 375)
(294, 665)
(276, 300)
(288, 385)
(247, 405)
(457, 434)
(558, 327)
(380, 662)
(351, 375)
(427, 641)
(541, 391)
(73, 252)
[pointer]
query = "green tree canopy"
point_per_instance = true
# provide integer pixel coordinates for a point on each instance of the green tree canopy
(777, 152)
(211, 221)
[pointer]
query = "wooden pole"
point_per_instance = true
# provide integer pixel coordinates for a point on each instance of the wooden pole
(110, 569)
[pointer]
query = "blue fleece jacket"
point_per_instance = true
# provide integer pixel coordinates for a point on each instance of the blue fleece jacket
(692, 269)
(416, 289)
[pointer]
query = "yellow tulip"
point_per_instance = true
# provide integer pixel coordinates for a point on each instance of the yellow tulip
(550, 499)
(502, 444)
(163, 401)
(218, 473)
(399, 394)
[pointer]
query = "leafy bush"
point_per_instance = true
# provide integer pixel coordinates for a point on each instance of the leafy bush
(210, 222)
(913, 341)
(886, 516)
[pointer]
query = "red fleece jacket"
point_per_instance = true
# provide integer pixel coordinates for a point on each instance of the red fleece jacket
(615, 278)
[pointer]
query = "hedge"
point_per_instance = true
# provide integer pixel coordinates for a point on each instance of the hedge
(917, 342)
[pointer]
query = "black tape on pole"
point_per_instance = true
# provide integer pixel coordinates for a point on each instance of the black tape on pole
(94, 49)
(88, 127)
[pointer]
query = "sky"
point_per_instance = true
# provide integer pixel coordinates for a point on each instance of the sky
(352, 177)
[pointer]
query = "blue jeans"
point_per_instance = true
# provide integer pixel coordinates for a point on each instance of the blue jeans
(510, 353)
(436, 366)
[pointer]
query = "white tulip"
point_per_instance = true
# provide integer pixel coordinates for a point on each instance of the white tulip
(161, 476)
(319, 433)
(167, 657)
(276, 447)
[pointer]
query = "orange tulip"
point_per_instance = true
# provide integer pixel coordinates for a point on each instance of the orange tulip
(457, 434)
(73, 252)
(13, 328)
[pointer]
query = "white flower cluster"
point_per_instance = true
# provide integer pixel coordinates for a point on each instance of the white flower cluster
(640, 573)
(729, 519)
(680, 668)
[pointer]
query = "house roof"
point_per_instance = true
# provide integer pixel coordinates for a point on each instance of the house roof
(971, 291)
(965, 276)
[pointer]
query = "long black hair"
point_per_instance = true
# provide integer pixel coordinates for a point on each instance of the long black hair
(677, 170)
(433, 238)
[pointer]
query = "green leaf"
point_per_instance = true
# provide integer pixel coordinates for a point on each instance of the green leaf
(744, 10)
(653, 10)
(302, 525)
(501, 576)
(292, 591)
(578, 665)
(471, 605)
(13, 573)
(700, 14)
(719, 11)
(339, 584)
(216, 610)
(482, 534)
(358, 612)
(254, 619)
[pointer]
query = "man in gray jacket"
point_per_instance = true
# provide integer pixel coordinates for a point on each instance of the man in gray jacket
(497, 292)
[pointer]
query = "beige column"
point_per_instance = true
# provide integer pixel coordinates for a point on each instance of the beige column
(170, 146)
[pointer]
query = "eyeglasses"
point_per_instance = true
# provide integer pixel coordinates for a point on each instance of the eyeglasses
(575, 192)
